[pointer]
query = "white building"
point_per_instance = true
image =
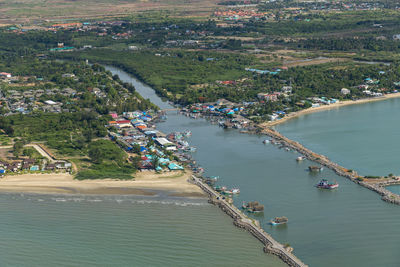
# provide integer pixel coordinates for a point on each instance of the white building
(5, 74)
(287, 89)
(345, 91)
(163, 142)
(50, 102)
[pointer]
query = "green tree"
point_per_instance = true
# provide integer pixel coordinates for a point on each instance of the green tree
(96, 154)
(17, 148)
(27, 152)
(155, 161)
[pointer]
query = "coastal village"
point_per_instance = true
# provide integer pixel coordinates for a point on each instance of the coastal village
(137, 134)
(83, 122)
(236, 115)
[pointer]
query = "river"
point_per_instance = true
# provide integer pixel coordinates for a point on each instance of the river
(347, 227)
(46, 230)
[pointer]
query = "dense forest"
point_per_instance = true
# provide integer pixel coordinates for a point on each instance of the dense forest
(171, 73)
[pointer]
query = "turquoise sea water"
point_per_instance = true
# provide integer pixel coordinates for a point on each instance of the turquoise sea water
(350, 226)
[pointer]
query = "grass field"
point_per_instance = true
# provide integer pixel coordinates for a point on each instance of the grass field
(12, 11)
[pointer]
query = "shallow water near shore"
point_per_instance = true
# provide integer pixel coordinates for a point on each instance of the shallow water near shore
(45, 230)
(350, 226)
(362, 137)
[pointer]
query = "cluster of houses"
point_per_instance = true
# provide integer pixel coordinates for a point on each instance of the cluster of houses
(25, 101)
(336, 5)
(231, 113)
(272, 97)
(370, 87)
(316, 101)
(242, 14)
(33, 165)
(102, 26)
(136, 129)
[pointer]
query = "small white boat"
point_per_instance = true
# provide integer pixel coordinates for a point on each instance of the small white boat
(266, 141)
(235, 190)
(300, 158)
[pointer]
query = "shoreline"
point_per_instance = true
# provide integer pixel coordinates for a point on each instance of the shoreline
(144, 184)
(259, 233)
(300, 113)
(378, 187)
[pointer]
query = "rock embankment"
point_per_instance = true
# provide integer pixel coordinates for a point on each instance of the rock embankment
(242, 221)
(339, 170)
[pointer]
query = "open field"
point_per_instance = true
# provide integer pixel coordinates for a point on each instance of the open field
(312, 61)
(25, 11)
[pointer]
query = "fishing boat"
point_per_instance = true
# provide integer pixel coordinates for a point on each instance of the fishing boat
(266, 141)
(191, 149)
(324, 184)
(253, 207)
(233, 191)
(220, 188)
(210, 180)
(187, 133)
(315, 168)
(279, 220)
(300, 158)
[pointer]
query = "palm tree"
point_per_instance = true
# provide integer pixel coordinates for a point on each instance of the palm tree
(155, 161)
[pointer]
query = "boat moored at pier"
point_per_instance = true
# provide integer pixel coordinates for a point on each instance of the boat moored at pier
(233, 191)
(315, 168)
(279, 220)
(300, 158)
(253, 207)
(324, 184)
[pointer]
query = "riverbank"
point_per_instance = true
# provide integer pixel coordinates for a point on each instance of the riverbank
(272, 170)
(327, 107)
(145, 183)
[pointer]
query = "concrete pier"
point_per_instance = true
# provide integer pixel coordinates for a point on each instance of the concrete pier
(339, 170)
(240, 220)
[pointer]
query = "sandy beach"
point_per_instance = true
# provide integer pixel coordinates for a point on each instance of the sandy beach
(326, 107)
(145, 183)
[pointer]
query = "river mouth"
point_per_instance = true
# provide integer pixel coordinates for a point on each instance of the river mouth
(342, 222)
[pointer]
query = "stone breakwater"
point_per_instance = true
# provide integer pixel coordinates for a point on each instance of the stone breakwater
(242, 221)
(339, 170)
(380, 188)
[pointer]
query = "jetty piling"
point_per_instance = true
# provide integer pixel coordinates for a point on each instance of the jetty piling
(242, 221)
(339, 170)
